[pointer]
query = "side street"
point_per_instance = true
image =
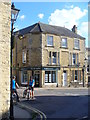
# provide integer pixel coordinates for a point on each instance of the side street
(59, 103)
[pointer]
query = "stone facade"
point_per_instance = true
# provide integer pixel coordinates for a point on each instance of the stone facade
(40, 58)
(87, 66)
(5, 16)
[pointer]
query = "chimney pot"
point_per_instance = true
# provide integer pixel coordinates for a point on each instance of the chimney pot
(74, 29)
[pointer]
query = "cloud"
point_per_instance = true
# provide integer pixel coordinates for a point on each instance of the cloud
(67, 17)
(22, 17)
(83, 31)
(84, 28)
(41, 15)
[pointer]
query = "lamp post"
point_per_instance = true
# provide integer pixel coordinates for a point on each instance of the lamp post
(83, 76)
(14, 14)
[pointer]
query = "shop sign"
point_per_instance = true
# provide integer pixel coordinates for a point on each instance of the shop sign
(50, 68)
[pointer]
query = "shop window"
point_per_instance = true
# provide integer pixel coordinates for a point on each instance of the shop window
(76, 75)
(50, 77)
(53, 76)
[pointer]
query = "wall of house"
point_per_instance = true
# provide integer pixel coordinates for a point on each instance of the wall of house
(5, 17)
(64, 56)
(46, 49)
(37, 51)
(31, 43)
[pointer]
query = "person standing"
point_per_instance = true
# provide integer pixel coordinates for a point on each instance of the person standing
(31, 86)
(14, 85)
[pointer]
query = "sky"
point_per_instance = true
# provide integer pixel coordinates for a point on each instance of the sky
(65, 14)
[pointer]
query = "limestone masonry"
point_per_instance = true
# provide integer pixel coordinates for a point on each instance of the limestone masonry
(5, 17)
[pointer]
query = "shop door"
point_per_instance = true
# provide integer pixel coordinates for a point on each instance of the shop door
(36, 80)
(64, 78)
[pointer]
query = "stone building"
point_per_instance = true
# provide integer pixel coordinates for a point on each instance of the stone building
(53, 55)
(88, 65)
(5, 17)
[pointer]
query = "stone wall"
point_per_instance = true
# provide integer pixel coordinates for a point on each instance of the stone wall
(5, 16)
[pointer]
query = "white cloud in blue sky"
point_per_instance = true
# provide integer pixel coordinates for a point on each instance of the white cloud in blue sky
(70, 16)
(59, 13)
(41, 15)
(67, 17)
(22, 17)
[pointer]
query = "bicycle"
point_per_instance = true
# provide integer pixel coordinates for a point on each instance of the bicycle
(26, 93)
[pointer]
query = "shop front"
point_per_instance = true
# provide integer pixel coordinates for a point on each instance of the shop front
(43, 76)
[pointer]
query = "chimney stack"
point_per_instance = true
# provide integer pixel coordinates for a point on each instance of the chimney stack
(74, 29)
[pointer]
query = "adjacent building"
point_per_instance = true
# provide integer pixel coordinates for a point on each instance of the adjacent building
(5, 34)
(53, 55)
(88, 65)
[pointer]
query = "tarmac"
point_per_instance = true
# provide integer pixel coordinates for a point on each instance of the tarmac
(21, 113)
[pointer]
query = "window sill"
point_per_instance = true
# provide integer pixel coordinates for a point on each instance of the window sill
(49, 46)
(76, 48)
(53, 64)
(64, 47)
(51, 83)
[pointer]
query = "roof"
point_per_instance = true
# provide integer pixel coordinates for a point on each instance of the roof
(51, 29)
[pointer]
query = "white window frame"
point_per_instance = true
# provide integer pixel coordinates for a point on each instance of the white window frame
(73, 59)
(49, 40)
(50, 77)
(64, 42)
(54, 58)
(76, 43)
(24, 57)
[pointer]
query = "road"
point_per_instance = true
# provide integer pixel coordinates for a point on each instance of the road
(60, 103)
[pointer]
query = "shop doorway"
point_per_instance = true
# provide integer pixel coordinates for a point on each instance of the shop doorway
(64, 78)
(37, 76)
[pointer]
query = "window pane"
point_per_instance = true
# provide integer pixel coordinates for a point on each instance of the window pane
(54, 57)
(25, 77)
(49, 57)
(50, 77)
(74, 59)
(64, 42)
(24, 57)
(46, 77)
(50, 40)
(76, 43)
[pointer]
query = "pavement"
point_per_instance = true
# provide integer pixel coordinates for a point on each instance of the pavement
(21, 113)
